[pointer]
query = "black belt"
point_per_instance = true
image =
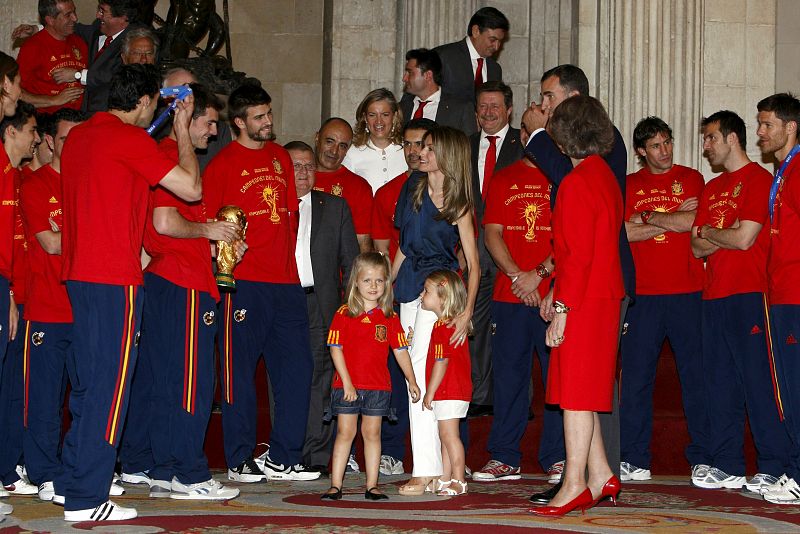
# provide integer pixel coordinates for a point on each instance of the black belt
(308, 290)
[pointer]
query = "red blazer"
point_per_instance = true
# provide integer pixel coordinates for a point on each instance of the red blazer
(586, 226)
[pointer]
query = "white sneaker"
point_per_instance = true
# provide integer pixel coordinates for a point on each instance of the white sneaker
(699, 471)
(629, 472)
(276, 471)
(247, 471)
(759, 481)
(58, 500)
(555, 471)
(22, 487)
(210, 490)
(46, 491)
(391, 465)
(136, 478)
(789, 493)
(116, 490)
(23, 473)
(352, 465)
(160, 488)
(718, 479)
(108, 511)
(5, 509)
(778, 484)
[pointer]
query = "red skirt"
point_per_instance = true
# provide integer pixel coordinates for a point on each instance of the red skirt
(581, 372)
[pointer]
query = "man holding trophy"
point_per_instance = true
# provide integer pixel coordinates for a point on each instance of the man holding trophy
(266, 314)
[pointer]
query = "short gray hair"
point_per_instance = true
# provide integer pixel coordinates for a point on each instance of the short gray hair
(137, 32)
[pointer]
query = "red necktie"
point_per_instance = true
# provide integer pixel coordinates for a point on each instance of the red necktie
(418, 113)
(479, 73)
(488, 165)
(103, 48)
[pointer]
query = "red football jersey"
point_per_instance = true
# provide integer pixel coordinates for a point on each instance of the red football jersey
(664, 264)
(261, 183)
(457, 381)
(40, 55)
(184, 262)
(519, 200)
(383, 208)
(365, 341)
(586, 225)
(354, 189)
(742, 195)
(7, 213)
(107, 169)
(783, 265)
(19, 269)
(40, 201)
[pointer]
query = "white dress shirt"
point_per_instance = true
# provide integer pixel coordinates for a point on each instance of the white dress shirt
(483, 146)
(430, 109)
(376, 165)
(302, 251)
(473, 56)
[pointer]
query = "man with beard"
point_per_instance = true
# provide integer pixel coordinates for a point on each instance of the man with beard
(267, 315)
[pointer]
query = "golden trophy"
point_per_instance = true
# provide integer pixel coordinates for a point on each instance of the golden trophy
(226, 253)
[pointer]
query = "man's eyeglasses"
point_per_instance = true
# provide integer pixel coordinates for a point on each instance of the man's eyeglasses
(308, 167)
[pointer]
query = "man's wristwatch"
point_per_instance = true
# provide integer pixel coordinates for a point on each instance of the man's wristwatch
(560, 307)
(77, 75)
(542, 271)
(645, 215)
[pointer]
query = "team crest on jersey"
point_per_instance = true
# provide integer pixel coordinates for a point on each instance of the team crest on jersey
(677, 188)
(380, 332)
(337, 190)
(37, 338)
(208, 318)
(76, 53)
(277, 166)
(737, 190)
(238, 315)
(136, 339)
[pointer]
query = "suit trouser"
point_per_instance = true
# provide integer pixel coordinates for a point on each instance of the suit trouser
(318, 444)
(45, 384)
(393, 434)
(737, 367)
(480, 344)
(519, 332)
(651, 319)
(11, 405)
(105, 347)
(267, 319)
(785, 330)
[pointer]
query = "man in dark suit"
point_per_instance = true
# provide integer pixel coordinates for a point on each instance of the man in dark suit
(326, 248)
(470, 62)
(558, 84)
(495, 146)
(423, 97)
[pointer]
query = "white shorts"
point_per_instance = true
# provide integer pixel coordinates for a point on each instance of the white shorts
(450, 409)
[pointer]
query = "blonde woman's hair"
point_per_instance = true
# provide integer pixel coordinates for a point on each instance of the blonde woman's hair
(361, 133)
(355, 303)
(452, 151)
(450, 288)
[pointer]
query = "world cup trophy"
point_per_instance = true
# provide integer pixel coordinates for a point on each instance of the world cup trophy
(226, 252)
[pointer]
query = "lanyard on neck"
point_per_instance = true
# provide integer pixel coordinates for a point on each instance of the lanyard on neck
(776, 183)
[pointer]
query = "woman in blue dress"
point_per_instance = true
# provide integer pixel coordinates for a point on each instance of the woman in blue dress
(434, 214)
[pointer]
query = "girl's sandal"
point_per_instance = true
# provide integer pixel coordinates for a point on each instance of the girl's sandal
(448, 491)
(415, 490)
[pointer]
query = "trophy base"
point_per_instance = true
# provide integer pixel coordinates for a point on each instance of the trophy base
(226, 282)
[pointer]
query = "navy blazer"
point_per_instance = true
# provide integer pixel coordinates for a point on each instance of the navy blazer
(101, 70)
(452, 112)
(458, 77)
(556, 166)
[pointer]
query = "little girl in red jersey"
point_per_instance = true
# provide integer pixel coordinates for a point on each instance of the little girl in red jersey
(449, 375)
(359, 339)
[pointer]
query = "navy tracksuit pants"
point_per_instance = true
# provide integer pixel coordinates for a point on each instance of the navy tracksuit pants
(11, 404)
(47, 347)
(650, 319)
(266, 319)
(520, 330)
(107, 320)
(785, 330)
(738, 377)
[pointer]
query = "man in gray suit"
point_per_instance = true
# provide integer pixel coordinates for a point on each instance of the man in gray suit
(326, 248)
(423, 97)
(495, 146)
(470, 62)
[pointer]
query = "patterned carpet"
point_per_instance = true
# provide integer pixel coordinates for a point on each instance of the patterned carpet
(663, 505)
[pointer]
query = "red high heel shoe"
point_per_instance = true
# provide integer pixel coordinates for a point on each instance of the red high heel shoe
(582, 502)
(611, 489)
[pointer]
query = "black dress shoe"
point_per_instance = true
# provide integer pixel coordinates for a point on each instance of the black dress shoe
(370, 495)
(546, 496)
(333, 496)
(480, 410)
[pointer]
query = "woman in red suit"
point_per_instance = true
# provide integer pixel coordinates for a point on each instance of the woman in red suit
(587, 295)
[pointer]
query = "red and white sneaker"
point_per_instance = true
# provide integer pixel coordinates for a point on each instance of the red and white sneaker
(554, 472)
(496, 470)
